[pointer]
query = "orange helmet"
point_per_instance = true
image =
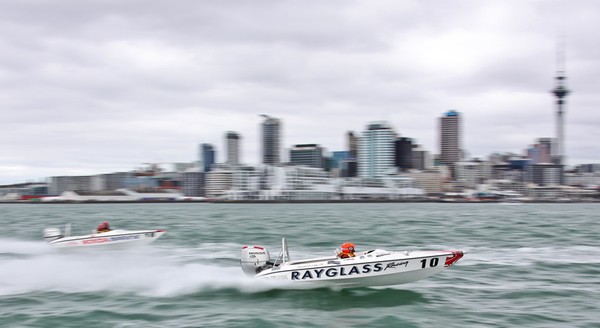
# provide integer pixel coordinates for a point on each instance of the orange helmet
(103, 226)
(347, 247)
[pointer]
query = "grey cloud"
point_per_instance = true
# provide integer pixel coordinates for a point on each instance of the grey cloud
(107, 85)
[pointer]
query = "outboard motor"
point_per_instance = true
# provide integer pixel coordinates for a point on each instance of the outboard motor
(255, 259)
(51, 234)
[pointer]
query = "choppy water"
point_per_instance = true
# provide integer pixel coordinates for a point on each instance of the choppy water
(530, 265)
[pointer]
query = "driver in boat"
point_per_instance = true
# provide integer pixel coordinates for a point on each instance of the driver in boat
(347, 250)
(103, 227)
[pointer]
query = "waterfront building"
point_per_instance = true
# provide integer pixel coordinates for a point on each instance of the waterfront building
(23, 191)
(430, 181)
(583, 179)
(588, 168)
(352, 141)
(403, 153)
(421, 159)
(505, 172)
(376, 151)
(510, 167)
(207, 157)
(232, 140)
(218, 181)
(450, 139)
(271, 140)
(309, 155)
(546, 174)
(337, 157)
(137, 182)
(184, 167)
(119, 195)
(390, 187)
(338, 163)
(472, 173)
(281, 183)
(508, 188)
(245, 183)
(541, 152)
(349, 168)
(502, 158)
(192, 183)
(60, 184)
(110, 181)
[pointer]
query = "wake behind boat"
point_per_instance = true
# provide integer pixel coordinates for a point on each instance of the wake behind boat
(103, 237)
(375, 267)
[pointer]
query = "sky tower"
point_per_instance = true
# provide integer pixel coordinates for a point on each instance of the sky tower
(560, 91)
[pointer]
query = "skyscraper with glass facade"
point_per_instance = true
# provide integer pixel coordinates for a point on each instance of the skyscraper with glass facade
(271, 140)
(232, 141)
(309, 155)
(450, 138)
(376, 150)
(207, 157)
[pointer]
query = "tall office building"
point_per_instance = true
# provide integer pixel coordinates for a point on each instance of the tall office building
(376, 150)
(232, 140)
(192, 184)
(352, 144)
(421, 159)
(337, 157)
(350, 164)
(403, 153)
(309, 155)
(207, 157)
(450, 139)
(271, 140)
(541, 151)
(546, 174)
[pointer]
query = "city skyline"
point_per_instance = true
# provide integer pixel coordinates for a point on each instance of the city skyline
(90, 88)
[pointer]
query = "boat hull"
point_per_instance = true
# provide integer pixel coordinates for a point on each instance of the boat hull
(366, 270)
(116, 239)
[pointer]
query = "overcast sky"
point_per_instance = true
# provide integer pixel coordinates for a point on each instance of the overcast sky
(90, 87)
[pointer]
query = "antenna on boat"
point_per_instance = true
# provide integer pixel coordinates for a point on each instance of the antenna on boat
(284, 254)
(284, 249)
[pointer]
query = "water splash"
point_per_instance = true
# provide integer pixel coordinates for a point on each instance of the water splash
(152, 271)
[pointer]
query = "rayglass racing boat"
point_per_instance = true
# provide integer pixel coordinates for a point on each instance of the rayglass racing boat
(375, 267)
(113, 239)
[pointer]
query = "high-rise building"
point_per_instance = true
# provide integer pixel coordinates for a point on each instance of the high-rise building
(309, 155)
(232, 140)
(352, 144)
(207, 157)
(403, 153)
(546, 174)
(193, 183)
(421, 159)
(450, 138)
(376, 150)
(541, 151)
(271, 140)
(337, 157)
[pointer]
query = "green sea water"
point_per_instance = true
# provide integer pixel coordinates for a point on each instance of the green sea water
(528, 265)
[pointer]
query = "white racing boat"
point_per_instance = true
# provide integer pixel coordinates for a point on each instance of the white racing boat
(375, 267)
(113, 239)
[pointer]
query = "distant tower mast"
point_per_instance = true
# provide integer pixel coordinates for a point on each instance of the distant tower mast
(560, 91)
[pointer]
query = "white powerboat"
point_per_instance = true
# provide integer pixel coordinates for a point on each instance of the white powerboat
(113, 239)
(375, 267)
